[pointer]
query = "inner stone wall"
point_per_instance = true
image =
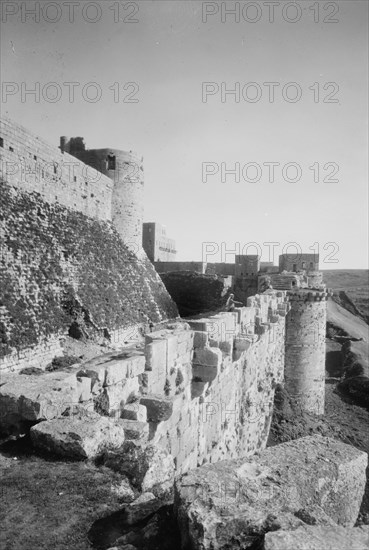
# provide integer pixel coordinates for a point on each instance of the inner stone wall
(33, 165)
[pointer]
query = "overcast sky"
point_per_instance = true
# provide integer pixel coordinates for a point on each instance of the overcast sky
(167, 54)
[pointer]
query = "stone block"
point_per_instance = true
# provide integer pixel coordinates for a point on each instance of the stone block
(158, 408)
(96, 374)
(184, 359)
(114, 398)
(153, 382)
(184, 347)
(208, 357)
(78, 438)
(203, 325)
(203, 374)
(184, 336)
(137, 365)
(242, 344)
(234, 500)
(134, 411)
(319, 537)
(36, 397)
(156, 356)
(147, 466)
(172, 347)
(84, 388)
(201, 339)
(121, 369)
(145, 505)
(206, 364)
(134, 429)
(114, 367)
(157, 335)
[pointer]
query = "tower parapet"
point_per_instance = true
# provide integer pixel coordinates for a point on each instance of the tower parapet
(305, 348)
(125, 169)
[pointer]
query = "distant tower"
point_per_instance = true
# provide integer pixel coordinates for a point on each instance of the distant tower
(125, 169)
(305, 349)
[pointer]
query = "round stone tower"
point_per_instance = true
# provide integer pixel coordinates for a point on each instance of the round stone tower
(125, 169)
(305, 348)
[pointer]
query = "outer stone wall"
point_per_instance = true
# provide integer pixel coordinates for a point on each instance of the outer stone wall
(219, 382)
(305, 349)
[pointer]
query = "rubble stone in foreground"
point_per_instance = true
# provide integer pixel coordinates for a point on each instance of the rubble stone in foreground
(319, 538)
(79, 438)
(235, 502)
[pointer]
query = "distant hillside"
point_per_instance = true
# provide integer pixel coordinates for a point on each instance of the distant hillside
(354, 282)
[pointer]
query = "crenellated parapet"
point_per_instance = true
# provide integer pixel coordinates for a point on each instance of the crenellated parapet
(308, 295)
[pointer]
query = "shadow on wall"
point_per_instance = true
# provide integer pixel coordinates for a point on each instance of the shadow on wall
(195, 293)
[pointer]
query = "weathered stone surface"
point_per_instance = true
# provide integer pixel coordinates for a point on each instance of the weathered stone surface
(78, 437)
(84, 388)
(36, 397)
(114, 367)
(200, 339)
(114, 398)
(319, 538)
(134, 411)
(123, 490)
(240, 500)
(158, 408)
(142, 507)
(147, 466)
(135, 430)
(206, 364)
(156, 355)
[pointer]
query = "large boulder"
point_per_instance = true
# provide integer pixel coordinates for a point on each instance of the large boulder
(319, 537)
(78, 437)
(148, 467)
(235, 502)
(27, 399)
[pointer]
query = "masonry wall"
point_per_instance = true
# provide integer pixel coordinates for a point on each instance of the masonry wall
(65, 273)
(298, 262)
(202, 390)
(305, 349)
(226, 405)
(224, 269)
(166, 267)
(209, 391)
(158, 247)
(31, 164)
(127, 199)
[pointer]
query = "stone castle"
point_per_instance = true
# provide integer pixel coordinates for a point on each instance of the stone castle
(163, 400)
(204, 388)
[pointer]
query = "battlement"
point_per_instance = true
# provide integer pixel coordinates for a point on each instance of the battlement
(309, 295)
